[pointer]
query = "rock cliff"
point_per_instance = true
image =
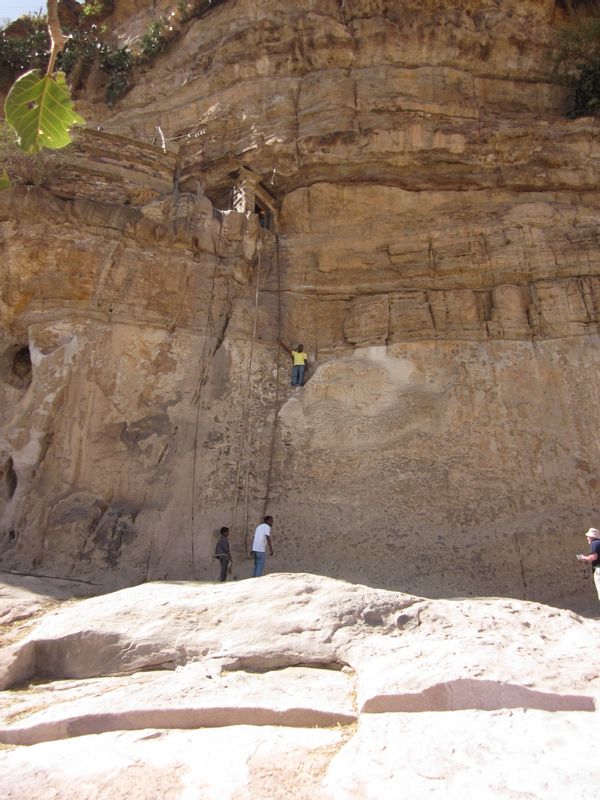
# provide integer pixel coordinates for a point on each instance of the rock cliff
(393, 184)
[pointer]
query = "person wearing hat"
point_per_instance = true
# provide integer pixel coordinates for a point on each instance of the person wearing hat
(593, 537)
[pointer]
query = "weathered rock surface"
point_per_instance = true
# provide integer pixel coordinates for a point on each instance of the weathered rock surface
(234, 762)
(393, 184)
(508, 754)
(189, 698)
(301, 686)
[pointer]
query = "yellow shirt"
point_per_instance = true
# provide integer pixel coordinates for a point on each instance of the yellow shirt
(299, 358)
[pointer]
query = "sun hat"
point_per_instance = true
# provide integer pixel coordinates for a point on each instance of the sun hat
(593, 533)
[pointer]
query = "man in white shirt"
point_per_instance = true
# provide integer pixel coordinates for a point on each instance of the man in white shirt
(262, 539)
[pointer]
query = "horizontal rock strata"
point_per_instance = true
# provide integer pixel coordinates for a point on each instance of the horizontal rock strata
(397, 187)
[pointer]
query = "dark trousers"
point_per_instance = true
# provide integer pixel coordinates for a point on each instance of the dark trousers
(224, 561)
(298, 375)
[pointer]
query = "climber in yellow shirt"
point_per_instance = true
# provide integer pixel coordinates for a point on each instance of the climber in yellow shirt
(299, 360)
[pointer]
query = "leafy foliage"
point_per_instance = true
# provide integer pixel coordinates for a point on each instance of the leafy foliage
(29, 48)
(120, 60)
(40, 110)
(577, 65)
(24, 46)
(83, 47)
(118, 65)
(5, 181)
(92, 9)
(155, 40)
(586, 94)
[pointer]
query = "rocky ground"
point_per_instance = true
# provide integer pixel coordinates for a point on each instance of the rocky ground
(295, 686)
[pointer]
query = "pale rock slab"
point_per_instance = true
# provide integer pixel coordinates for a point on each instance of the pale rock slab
(236, 763)
(502, 695)
(464, 755)
(24, 596)
(298, 620)
(484, 654)
(191, 697)
(471, 653)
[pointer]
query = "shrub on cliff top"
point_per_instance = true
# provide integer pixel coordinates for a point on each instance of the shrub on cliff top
(24, 44)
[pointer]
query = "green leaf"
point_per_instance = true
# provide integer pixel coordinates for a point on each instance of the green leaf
(40, 110)
(5, 181)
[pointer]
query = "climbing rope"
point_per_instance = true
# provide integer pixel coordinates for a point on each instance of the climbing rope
(202, 377)
(276, 403)
(244, 427)
(196, 400)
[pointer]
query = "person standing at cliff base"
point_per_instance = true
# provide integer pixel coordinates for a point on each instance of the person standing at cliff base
(223, 553)
(299, 359)
(593, 537)
(262, 540)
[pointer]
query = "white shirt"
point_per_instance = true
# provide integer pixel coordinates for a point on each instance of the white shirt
(261, 534)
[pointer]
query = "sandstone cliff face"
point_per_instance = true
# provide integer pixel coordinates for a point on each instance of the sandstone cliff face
(431, 237)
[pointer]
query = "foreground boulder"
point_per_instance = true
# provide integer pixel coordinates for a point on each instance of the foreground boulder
(295, 685)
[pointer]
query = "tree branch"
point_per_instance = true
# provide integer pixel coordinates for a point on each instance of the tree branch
(57, 37)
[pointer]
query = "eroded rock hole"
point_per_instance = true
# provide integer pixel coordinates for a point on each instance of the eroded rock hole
(8, 539)
(20, 373)
(10, 478)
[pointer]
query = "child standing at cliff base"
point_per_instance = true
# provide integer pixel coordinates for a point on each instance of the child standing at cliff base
(223, 553)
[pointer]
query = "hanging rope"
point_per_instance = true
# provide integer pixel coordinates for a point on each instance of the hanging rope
(244, 426)
(202, 377)
(276, 404)
(196, 400)
(245, 430)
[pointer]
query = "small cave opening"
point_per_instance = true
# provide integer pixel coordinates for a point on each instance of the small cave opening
(8, 539)
(11, 478)
(21, 365)
(8, 478)
(16, 368)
